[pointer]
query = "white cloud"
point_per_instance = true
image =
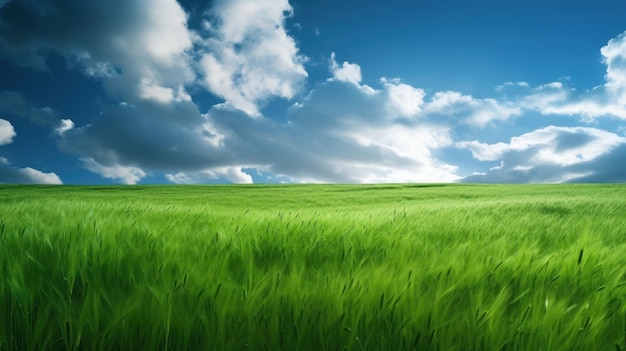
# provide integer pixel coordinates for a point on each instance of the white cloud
(246, 57)
(347, 72)
(341, 131)
(558, 99)
(122, 42)
(240, 19)
(179, 178)
(221, 79)
(232, 174)
(63, 126)
(165, 36)
(475, 112)
(403, 99)
(126, 174)
(7, 133)
(152, 90)
(250, 57)
(209, 133)
(362, 140)
(605, 100)
(562, 146)
(28, 175)
(506, 85)
(11, 174)
(414, 144)
(614, 56)
(34, 176)
(550, 154)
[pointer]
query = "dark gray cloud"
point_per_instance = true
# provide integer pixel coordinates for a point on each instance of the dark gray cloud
(572, 140)
(30, 28)
(14, 104)
(608, 168)
(315, 144)
(147, 134)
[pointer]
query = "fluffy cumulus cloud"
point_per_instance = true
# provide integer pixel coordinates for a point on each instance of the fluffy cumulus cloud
(137, 48)
(342, 131)
(6, 132)
(361, 138)
(403, 99)
(325, 139)
(346, 72)
(551, 154)
(249, 56)
(614, 56)
(155, 69)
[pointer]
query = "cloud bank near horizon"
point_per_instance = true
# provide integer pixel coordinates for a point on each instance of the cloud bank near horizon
(149, 60)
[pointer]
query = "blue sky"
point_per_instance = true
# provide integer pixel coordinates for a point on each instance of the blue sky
(268, 91)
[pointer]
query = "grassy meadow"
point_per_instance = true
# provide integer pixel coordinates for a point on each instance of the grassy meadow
(313, 267)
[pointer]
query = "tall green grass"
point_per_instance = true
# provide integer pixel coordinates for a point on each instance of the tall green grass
(336, 267)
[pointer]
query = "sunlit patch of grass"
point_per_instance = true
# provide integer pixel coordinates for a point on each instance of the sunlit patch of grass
(336, 267)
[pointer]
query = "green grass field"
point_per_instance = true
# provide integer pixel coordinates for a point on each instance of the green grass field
(313, 267)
